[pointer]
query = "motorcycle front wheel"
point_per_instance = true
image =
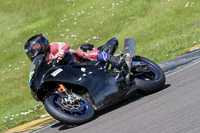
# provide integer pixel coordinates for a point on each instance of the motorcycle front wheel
(149, 77)
(74, 113)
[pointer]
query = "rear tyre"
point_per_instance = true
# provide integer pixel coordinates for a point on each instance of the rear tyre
(73, 114)
(150, 77)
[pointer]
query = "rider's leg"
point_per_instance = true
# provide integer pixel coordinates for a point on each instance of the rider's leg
(103, 56)
(89, 52)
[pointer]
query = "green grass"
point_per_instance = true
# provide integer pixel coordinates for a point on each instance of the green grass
(162, 29)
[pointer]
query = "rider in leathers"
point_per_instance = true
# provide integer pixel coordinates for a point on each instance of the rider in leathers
(56, 51)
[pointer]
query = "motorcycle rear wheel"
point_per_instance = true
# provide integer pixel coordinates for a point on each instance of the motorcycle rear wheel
(69, 114)
(152, 80)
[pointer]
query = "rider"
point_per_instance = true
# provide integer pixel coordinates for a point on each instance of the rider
(56, 51)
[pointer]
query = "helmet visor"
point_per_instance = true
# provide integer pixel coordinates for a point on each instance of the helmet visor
(32, 54)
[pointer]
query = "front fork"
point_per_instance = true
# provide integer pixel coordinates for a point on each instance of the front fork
(68, 95)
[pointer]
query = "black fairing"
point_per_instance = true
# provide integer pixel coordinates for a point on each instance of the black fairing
(101, 89)
(104, 85)
(110, 47)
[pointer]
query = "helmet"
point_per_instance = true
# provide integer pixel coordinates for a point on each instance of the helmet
(37, 44)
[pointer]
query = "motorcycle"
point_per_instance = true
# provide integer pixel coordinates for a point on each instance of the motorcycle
(72, 92)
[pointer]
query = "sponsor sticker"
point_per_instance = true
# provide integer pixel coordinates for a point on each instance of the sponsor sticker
(55, 73)
(30, 77)
(60, 89)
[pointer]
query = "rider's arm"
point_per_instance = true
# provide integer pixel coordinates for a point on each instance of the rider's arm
(58, 51)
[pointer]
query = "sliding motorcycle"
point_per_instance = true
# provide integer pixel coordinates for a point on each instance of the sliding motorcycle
(72, 92)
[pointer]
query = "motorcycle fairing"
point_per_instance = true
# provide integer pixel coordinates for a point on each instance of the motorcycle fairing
(104, 86)
(99, 84)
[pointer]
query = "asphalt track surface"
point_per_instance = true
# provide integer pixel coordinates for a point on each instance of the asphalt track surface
(175, 109)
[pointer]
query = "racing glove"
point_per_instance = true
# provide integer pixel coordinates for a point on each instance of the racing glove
(59, 56)
(55, 59)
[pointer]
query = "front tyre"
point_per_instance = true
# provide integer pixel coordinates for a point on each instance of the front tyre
(74, 113)
(150, 77)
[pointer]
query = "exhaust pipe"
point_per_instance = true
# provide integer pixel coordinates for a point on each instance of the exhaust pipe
(129, 54)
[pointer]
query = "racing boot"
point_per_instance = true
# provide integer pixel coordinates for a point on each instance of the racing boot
(106, 57)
